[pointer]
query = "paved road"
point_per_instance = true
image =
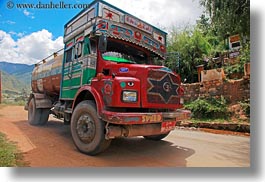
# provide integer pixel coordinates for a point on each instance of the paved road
(52, 146)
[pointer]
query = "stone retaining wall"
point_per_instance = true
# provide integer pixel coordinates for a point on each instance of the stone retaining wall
(232, 90)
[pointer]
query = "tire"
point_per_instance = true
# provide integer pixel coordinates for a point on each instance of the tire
(156, 137)
(37, 116)
(88, 130)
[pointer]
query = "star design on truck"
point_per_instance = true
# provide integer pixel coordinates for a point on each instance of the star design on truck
(109, 15)
(164, 87)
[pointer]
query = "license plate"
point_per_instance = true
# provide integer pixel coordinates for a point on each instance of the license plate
(167, 126)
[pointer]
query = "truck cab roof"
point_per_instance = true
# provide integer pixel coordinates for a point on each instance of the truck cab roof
(102, 17)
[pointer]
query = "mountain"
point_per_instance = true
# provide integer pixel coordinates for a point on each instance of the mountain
(10, 84)
(15, 68)
(21, 72)
(16, 77)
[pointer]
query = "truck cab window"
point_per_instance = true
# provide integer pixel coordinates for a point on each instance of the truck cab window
(69, 55)
(89, 46)
(93, 46)
(124, 53)
(78, 49)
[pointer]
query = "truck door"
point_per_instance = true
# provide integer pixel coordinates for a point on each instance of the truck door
(79, 65)
(72, 70)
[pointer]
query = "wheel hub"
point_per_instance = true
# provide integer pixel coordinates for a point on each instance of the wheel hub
(86, 129)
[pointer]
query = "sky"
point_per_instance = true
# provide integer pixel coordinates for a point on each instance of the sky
(28, 35)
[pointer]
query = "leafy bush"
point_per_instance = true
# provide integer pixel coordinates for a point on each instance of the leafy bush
(211, 108)
(245, 53)
(246, 107)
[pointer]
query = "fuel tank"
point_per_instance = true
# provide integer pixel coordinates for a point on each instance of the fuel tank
(46, 76)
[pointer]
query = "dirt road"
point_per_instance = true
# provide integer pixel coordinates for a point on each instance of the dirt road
(52, 146)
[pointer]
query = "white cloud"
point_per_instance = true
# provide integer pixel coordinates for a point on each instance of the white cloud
(28, 14)
(9, 22)
(166, 13)
(20, 34)
(29, 49)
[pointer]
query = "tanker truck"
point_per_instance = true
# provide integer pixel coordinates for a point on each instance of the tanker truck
(105, 82)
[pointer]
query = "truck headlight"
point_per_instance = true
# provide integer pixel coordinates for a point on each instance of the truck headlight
(129, 96)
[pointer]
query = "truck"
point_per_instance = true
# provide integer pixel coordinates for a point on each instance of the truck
(108, 81)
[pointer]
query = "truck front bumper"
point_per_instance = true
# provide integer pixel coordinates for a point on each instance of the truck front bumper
(144, 118)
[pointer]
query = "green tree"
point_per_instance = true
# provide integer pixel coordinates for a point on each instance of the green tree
(229, 17)
(192, 47)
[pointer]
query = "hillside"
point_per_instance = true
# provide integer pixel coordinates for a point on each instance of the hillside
(15, 68)
(11, 85)
(16, 76)
(21, 72)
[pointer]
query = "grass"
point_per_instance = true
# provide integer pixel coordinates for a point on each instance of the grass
(9, 154)
(206, 120)
(14, 103)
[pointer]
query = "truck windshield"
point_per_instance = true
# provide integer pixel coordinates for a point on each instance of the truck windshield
(124, 53)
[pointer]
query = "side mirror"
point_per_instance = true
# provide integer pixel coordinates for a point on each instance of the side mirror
(102, 43)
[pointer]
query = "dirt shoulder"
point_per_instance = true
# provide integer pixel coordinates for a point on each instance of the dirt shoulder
(10, 116)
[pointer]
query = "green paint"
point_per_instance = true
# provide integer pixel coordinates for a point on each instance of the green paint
(69, 94)
(123, 84)
(116, 59)
(86, 46)
(88, 75)
(71, 82)
(70, 85)
(75, 72)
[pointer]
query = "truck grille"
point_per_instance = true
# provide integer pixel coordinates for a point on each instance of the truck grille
(162, 87)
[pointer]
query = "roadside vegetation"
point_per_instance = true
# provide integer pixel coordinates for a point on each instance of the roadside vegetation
(218, 110)
(210, 108)
(190, 46)
(13, 102)
(10, 156)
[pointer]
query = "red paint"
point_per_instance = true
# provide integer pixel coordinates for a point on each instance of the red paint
(109, 15)
(138, 35)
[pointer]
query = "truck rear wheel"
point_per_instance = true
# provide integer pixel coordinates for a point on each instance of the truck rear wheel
(88, 130)
(156, 137)
(37, 116)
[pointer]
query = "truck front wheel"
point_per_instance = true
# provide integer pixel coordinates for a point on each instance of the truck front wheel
(156, 137)
(87, 129)
(37, 116)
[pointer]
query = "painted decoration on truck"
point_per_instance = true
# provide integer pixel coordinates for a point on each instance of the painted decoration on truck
(162, 87)
(154, 118)
(131, 34)
(80, 21)
(110, 15)
(150, 42)
(138, 24)
(121, 31)
(102, 25)
(40, 85)
(159, 38)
